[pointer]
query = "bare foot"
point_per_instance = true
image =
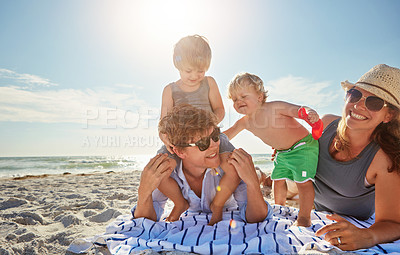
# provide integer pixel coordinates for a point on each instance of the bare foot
(303, 222)
(216, 214)
(177, 211)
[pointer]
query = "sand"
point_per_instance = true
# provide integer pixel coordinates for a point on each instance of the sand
(44, 214)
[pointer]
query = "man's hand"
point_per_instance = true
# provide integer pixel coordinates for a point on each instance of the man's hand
(152, 174)
(256, 208)
(243, 163)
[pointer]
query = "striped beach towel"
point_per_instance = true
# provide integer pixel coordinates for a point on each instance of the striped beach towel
(229, 236)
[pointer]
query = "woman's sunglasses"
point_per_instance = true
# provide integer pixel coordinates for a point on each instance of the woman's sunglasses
(204, 143)
(373, 103)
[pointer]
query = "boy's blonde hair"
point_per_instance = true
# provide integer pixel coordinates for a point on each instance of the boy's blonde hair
(192, 51)
(185, 122)
(247, 80)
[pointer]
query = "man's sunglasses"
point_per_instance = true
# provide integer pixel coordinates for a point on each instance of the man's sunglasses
(204, 143)
(373, 103)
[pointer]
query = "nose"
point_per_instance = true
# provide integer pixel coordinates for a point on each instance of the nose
(238, 101)
(360, 103)
(214, 144)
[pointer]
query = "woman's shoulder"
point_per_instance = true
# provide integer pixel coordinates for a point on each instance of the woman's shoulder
(328, 119)
(379, 167)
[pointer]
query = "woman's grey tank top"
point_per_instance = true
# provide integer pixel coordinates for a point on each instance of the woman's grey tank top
(339, 186)
(198, 98)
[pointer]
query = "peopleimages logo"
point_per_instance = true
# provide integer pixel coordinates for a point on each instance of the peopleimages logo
(108, 141)
(113, 117)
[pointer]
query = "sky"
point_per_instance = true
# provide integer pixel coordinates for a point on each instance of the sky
(85, 77)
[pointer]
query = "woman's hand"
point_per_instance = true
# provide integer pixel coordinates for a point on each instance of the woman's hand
(345, 235)
(157, 169)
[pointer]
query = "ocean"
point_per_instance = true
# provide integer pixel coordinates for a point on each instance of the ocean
(22, 166)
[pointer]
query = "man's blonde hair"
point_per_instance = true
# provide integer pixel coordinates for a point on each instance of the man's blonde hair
(185, 122)
(247, 80)
(192, 51)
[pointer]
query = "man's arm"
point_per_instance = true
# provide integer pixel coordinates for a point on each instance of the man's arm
(257, 208)
(153, 173)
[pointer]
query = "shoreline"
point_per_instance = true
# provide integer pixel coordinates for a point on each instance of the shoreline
(43, 214)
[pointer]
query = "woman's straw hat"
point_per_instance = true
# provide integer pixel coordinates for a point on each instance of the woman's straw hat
(382, 80)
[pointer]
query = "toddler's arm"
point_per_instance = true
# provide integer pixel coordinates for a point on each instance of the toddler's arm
(216, 99)
(236, 128)
(166, 105)
(291, 110)
(167, 102)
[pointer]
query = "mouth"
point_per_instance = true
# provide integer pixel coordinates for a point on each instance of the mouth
(213, 155)
(357, 116)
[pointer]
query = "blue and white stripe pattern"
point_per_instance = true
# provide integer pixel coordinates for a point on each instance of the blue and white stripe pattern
(230, 236)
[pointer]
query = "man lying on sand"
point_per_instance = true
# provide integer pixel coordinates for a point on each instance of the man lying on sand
(199, 173)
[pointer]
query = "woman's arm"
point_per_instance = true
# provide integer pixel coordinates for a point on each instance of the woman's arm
(215, 99)
(236, 128)
(387, 206)
(387, 212)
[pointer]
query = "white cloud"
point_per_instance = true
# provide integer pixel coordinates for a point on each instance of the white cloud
(27, 79)
(129, 86)
(102, 106)
(301, 91)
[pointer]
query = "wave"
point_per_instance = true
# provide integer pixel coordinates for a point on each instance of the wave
(21, 166)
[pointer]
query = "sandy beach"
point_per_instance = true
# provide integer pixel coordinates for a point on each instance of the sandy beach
(44, 214)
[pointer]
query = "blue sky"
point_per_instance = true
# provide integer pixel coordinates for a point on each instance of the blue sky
(86, 77)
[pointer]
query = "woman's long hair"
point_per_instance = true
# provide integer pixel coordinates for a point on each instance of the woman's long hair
(386, 135)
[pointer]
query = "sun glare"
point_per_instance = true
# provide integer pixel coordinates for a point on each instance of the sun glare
(138, 23)
(168, 19)
(148, 29)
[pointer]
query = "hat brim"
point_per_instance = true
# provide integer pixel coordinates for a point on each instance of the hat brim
(346, 85)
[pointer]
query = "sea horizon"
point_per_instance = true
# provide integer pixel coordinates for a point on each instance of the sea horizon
(19, 166)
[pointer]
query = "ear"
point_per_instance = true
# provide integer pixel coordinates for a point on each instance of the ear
(179, 153)
(388, 117)
(260, 97)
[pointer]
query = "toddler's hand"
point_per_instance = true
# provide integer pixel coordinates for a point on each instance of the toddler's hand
(312, 118)
(312, 115)
(167, 143)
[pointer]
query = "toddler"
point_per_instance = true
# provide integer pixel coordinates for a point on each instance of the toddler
(275, 124)
(192, 57)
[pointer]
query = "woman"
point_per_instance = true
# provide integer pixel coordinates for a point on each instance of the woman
(359, 162)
